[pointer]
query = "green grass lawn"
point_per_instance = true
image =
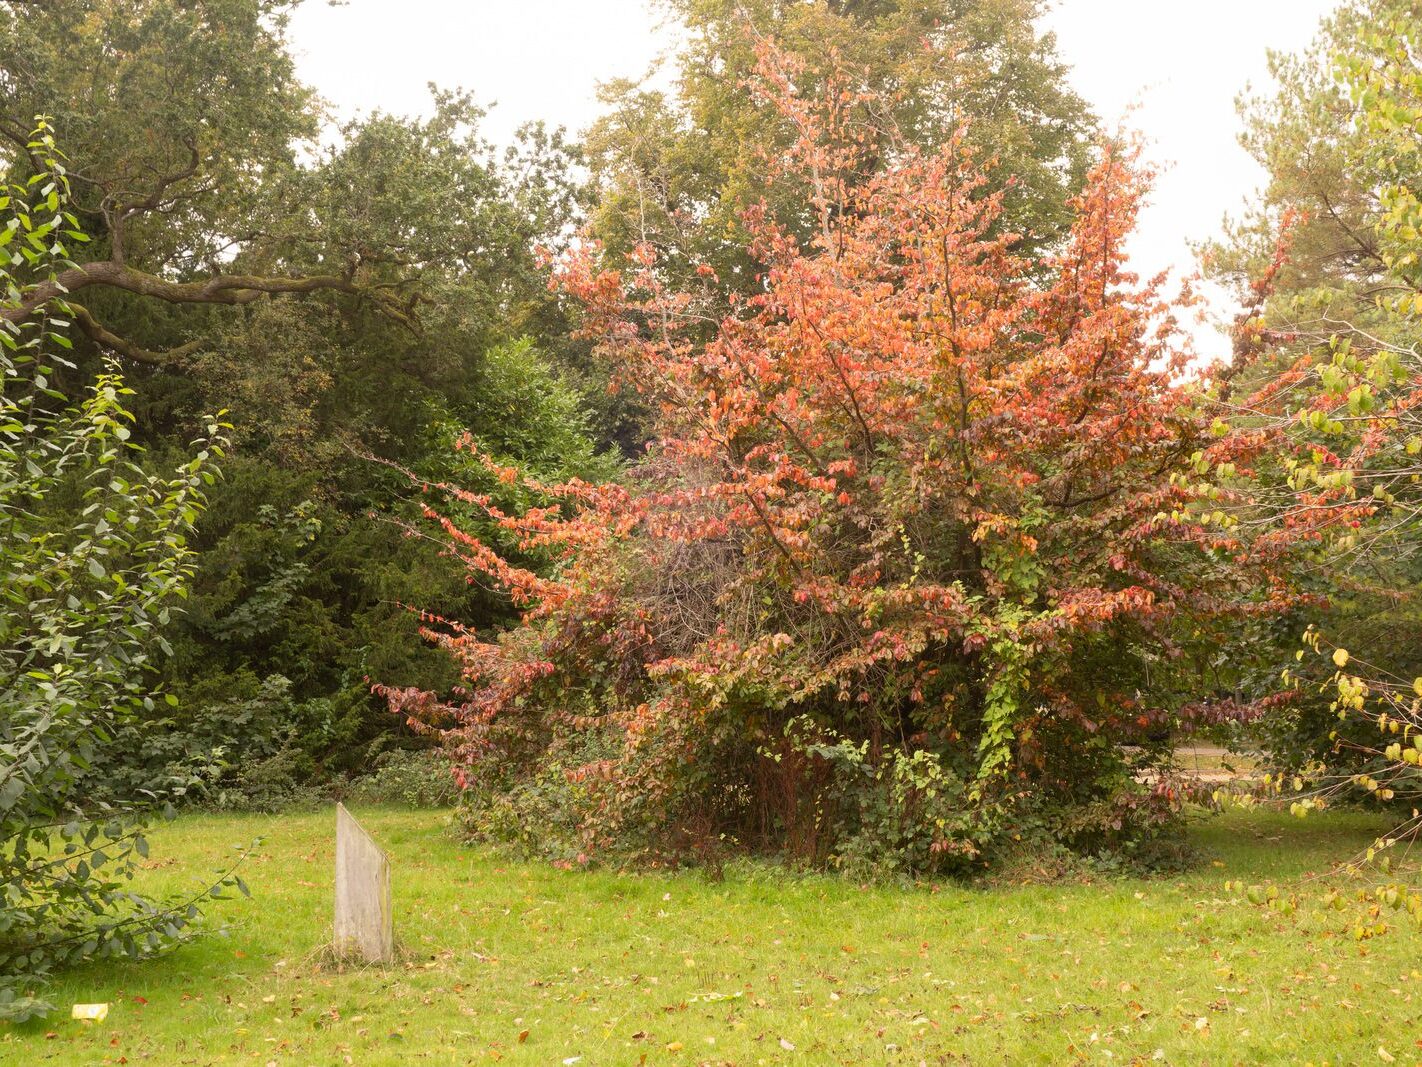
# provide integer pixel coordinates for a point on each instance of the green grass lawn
(525, 963)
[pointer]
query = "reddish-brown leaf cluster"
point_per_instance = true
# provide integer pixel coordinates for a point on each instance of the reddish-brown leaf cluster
(915, 487)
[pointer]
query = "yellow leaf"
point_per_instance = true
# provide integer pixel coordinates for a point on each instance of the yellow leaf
(1340, 657)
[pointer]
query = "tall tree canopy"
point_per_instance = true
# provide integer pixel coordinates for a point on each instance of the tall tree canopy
(1306, 136)
(345, 291)
(678, 170)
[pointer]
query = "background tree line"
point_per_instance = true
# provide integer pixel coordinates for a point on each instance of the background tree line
(370, 290)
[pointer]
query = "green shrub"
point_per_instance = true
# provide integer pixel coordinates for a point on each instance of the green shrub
(544, 813)
(238, 742)
(420, 778)
(900, 813)
(93, 555)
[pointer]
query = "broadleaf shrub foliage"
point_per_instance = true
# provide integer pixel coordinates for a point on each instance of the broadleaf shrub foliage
(1321, 435)
(904, 572)
(93, 553)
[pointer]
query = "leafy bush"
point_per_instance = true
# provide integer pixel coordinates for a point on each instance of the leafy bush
(419, 778)
(903, 813)
(239, 742)
(1320, 450)
(269, 785)
(911, 563)
(540, 809)
(93, 553)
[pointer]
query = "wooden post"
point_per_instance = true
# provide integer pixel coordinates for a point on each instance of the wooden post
(364, 922)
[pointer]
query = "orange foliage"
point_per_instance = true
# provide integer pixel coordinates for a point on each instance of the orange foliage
(916, 488)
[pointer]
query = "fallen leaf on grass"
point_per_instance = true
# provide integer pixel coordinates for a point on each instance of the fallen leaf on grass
(711, 998)
(788, 1046)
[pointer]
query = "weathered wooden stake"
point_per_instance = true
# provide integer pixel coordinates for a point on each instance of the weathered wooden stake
(364, 923)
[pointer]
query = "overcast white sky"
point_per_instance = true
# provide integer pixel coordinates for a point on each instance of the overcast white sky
(1180, 64)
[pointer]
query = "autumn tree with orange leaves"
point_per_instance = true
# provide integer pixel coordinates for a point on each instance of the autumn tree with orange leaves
(905, 573)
